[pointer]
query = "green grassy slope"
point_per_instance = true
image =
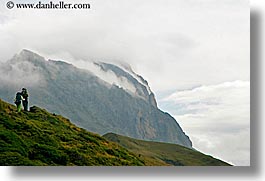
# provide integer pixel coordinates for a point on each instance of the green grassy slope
(41, 138)
(157, 153)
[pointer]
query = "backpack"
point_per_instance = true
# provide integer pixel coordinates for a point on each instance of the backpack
(18, 98)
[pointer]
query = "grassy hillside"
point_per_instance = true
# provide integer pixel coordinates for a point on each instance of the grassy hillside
(157, 153)
(41, 138)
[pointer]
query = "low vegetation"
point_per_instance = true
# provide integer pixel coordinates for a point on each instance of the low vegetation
(157, 153)
(40, 138)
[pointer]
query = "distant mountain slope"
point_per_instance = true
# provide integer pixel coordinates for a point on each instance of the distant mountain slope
(157, 153)
(41, 138)
(109, 98)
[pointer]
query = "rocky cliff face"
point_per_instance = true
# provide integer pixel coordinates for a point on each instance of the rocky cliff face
(111, 99)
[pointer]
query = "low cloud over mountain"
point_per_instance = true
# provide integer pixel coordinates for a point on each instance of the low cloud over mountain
(216, 116)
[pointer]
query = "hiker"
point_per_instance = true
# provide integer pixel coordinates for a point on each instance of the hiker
(18, 101)
(25, 102)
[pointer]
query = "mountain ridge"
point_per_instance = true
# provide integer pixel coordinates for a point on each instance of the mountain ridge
(159, 153)
(89, 101)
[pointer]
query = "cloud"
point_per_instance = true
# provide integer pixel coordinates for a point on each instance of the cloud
(20, 71)
(164, 41)
(216, 117)
(20, 74)
(108, 76)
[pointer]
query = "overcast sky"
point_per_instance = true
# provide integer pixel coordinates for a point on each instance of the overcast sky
(179, 46)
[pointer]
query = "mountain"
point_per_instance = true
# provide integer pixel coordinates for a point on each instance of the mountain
(40, 138)
(102, 98)
(157, 153)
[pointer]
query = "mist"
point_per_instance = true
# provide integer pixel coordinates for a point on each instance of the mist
(174, 45)
(164, 41)
(20, 74)
(217, 119)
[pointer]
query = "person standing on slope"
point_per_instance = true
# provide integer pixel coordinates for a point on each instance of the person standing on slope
(18, 101)
(25, 96)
